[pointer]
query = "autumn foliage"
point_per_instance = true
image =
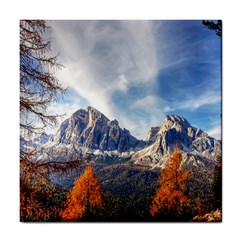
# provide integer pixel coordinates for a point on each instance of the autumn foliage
(170, 198)
(37, 192)
(86, 196)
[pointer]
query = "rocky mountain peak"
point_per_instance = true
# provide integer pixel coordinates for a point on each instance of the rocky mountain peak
(94, 115)
(174, 121)
(152, 133)
(175, 129)
(93, 110)
(90, 129)
(113, 123)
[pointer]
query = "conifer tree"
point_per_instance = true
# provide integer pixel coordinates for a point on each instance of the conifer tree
(84, 198)
(170, 199)
(217, 184)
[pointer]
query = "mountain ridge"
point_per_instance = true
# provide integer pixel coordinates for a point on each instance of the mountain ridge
(91, 129)
(89, 132)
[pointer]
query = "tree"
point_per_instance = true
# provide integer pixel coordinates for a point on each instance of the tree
(215, 26)
(38, 85)
(37, 192)
(170, 198)
(84, 198)
(38, 89)
(217, 184)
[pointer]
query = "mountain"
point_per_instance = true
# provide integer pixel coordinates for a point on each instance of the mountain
(152, 133)
(198, 148)
(42, 139)
(88, 133)
(91, 129)
(31, 144)
(128, 168)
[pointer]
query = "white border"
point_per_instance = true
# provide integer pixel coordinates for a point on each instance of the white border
(12, 11)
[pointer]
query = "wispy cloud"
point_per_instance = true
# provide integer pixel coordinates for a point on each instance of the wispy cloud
(215, 132)
(153, 108)
(195, 102)
(121, 83)
(65, 110)
(208, 98)
(136, 71)
(105, 57)
(146, 103)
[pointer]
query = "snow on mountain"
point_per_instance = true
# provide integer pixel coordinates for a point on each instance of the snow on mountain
(198, 148)
(31, 144)
(42, 139)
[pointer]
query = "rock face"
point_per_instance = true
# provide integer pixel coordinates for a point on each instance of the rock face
(152, 133)
(88, 131)
(213, 216)
(196, 145)
(91, 129)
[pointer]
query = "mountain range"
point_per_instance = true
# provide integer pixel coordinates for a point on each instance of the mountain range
(89, 134)
(128, 168)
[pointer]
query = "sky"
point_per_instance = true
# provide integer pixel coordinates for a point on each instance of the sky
(140, 71)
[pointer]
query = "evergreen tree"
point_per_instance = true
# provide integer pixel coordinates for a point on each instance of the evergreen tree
(217, 184)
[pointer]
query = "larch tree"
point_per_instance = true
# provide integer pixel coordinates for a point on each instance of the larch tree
(84, 198)
(170, 198)
(39, 88)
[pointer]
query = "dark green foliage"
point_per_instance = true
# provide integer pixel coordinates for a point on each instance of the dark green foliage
(217, 184)
(171, 215)
(119, 209)
(110, 160)
(199, 187)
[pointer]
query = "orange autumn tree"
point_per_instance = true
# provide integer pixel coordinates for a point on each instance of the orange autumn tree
(170, 198)
(85, 196)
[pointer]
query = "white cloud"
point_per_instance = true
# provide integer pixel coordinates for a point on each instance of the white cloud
(150, 104)
(153, 107)
(208, 98)
(64, 109)
(122, 83)
(146, 103)
(205, 99)
(106, 59)
(107, 50)
(215, 132)
(102, 57)
(168, 109)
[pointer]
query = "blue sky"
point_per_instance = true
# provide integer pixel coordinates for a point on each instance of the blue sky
(140, 71)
